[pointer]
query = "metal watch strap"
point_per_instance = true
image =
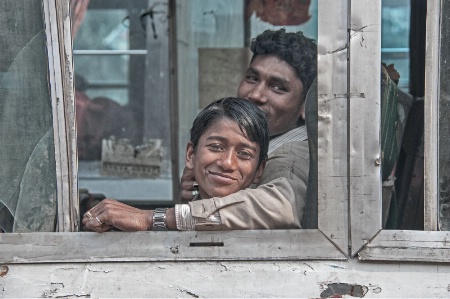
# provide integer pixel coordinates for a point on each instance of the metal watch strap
(159, 219)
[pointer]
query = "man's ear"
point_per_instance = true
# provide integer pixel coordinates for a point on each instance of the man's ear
(259, 172)
(190, 155)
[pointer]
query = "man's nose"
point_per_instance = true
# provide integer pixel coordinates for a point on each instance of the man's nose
(258, 94)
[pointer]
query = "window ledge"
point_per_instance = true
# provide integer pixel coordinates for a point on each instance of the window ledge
(167, 246)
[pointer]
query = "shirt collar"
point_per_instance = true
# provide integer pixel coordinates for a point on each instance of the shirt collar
(296, 134)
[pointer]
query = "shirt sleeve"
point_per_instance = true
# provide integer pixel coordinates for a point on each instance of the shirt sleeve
(185, 220)
(276, 203)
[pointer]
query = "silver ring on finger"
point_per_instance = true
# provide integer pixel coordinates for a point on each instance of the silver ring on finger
(194, 193)
(96, 218)
(89, 215)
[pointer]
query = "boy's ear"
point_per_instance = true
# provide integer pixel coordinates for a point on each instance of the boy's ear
(259, 172)
(190, 155)
(302, 111)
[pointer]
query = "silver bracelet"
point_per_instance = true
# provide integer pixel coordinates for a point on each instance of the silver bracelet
(159, 219)
(185, 220)
(183, 217)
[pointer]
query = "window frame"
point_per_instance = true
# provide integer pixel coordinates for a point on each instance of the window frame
(376, 244)
(331, 236)
(365, 117)
(60, 77)
(335, 187)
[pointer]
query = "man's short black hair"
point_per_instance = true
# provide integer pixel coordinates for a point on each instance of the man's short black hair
(295, 49)
(250, 119)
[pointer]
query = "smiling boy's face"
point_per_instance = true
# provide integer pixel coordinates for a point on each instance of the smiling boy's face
(225, 161)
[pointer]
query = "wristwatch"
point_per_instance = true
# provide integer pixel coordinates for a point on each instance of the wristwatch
(159, 219)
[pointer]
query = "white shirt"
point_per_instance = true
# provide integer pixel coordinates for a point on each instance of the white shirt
(297, 134)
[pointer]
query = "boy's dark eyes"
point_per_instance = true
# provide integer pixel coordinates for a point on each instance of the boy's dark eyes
(245, 154)
(215, 146)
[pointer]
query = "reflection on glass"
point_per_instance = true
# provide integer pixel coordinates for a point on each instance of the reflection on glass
(395, 101)
(213, 54)
(403, 52)
(395, 38)
(27, 151)
(123, 149)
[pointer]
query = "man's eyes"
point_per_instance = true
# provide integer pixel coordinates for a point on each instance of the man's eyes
(279, 88)
(276, 86)
(252, 78)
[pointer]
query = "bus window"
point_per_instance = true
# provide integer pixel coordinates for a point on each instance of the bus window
(121, 63)
(127, 101)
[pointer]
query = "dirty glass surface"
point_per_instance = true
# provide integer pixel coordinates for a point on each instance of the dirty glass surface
(121, 63)
(27, 155)
(121, 60)
(213, 47)
(395, 28)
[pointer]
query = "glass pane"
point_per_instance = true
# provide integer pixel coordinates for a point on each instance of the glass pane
(122, 98)
(103, 75)
(27, 153)
(213, 40)
(136, 84)
(395, 38)
(108, 29)
(403, 52)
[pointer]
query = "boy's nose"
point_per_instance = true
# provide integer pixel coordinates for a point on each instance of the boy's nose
(227, 160)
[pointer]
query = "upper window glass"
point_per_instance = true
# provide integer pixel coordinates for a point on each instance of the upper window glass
(122, 78)
(395, 28)
(129, 107)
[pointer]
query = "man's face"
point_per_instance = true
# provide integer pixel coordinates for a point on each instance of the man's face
(225, 160)
(272, 84)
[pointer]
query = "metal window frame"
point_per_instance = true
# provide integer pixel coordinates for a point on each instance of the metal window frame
(60, 76)
(364, 127)
(369, 242)
(328, 242)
